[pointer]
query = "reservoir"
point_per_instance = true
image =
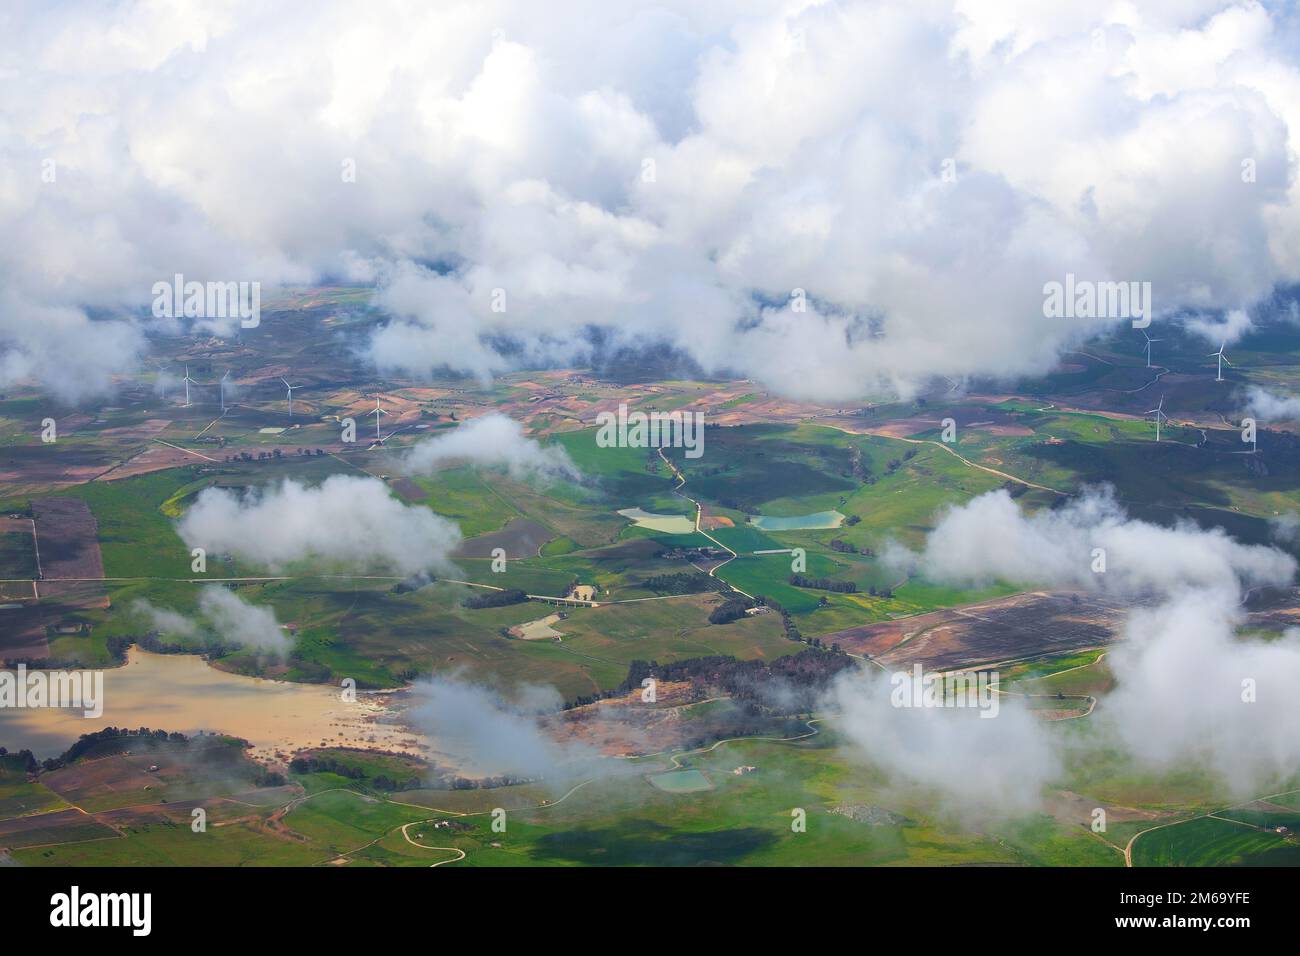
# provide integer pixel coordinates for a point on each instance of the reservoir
(813, 522)
(181, 692)
(666, 524)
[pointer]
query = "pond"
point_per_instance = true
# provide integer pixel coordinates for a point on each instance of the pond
(813, 522)
(181, 692)
(666, 524)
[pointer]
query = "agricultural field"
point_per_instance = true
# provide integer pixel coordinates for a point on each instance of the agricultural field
(792, 505)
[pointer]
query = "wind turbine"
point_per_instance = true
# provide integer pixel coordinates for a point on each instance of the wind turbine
(1148, 344)
(187, 381)
(377, 412)
(289, 392)
(160, 382)
(1222, 359)
(1159, 412)
(223, 391)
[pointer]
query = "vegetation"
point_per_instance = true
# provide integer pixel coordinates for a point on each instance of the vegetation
(495, 599)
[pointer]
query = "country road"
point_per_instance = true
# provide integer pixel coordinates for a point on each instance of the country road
(949, 449)
(699, 513)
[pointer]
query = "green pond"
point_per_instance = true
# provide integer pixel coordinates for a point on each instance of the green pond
(812, 522)
(666, 524)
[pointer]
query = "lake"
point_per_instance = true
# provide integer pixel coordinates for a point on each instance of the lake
(181, 692)
(666, 524)
(813, 522)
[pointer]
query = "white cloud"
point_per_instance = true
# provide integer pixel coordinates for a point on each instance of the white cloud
(487, 735)
(1189, 690)
(238, 622)
(1179, 668)
(1269, 406)
(1224, 330)
(993, 765)
(351, 522)
(503, 146)
(163, 621)
(224, 615)
(990, 539)
(492, 440)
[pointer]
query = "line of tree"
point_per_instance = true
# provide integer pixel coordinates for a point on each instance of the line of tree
(787, 622)
(328, 763)
(495, 599)
(687, 582)
(823, 584)
(784, 686)
(728, 611)
(225, 750)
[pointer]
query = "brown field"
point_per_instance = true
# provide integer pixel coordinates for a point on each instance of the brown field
(154, 457)
(60, 826)
(22, 634)
(408, 490)
(11, 591)
(1070, 808)
(903, 427)
(112, 782)
(68, 538)
(146, 430)
(38, 469)
(626, 725)
(1010, 628)
(520, 538)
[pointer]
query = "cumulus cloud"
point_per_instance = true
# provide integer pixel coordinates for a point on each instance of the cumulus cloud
(1190, 690)
(346, 521)
(998, 765)
(163, 621)
(1179, 668)
(238, 622)
(486, 734)
(1222, 330)
(493, 440)
(990, 539)
(224, 615)
(666, 171)
(1285, 527)
(1269, 406)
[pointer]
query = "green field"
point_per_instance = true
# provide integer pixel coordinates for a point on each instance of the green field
(1214, 842)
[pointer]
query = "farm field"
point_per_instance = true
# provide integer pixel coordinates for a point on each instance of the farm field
(843, 489)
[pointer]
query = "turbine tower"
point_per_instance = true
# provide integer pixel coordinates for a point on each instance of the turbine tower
(160, 382)
(223, 391)
(377, 412)
(187, 381)
(289, 394)
(1222, 359)
(1148, 345)
(1159, 412)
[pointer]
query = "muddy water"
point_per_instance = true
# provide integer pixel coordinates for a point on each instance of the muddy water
(180, 692)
